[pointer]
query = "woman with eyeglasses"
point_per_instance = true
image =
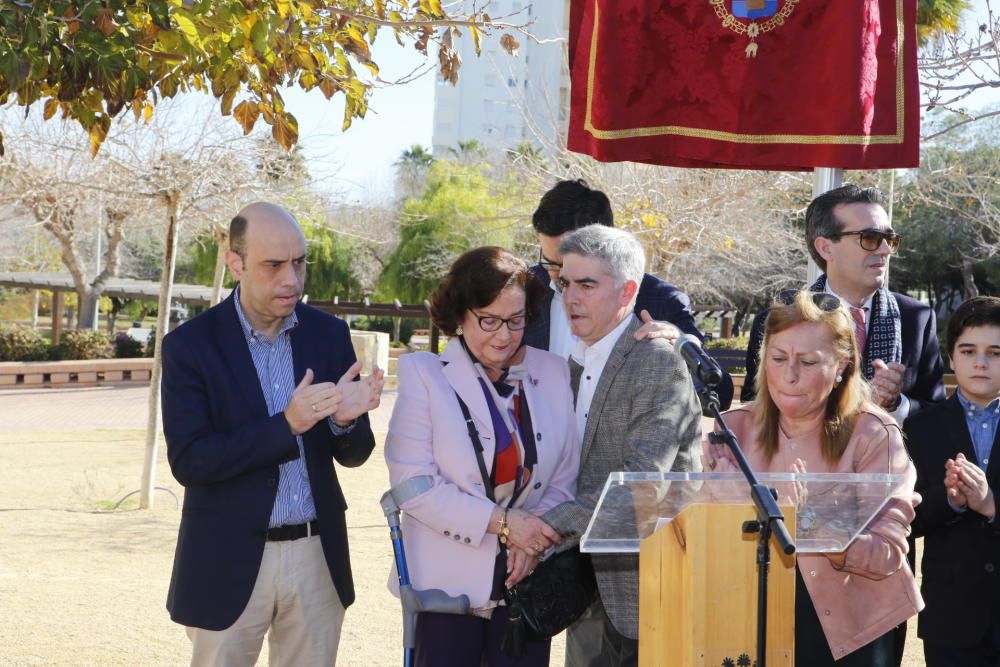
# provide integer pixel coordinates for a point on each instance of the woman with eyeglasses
(813, 413)
(491, 422)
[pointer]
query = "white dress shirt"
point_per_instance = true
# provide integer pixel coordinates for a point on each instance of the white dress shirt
(593, 359)
(903, 409)
(561, 338)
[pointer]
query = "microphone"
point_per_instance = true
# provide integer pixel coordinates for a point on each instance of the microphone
(703, 367)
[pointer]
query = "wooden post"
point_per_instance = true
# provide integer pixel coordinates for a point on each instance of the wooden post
(726, 328)
(435, 338)
(57, 315)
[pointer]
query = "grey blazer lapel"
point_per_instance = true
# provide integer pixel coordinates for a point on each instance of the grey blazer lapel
(616, 359)
(575, 371)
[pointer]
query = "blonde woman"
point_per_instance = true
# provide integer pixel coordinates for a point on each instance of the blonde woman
(813, 413)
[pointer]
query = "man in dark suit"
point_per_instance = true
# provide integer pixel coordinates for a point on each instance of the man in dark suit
(850, 238)
(952, 447)
(252, 430)
(568, 206)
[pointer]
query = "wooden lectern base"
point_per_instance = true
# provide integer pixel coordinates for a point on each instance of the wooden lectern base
(698, 592)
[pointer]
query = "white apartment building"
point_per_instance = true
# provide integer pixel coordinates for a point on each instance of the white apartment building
(502, 101)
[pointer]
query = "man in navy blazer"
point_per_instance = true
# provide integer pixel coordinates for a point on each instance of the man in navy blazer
(566, 207)
(837, 223)
(259, 398)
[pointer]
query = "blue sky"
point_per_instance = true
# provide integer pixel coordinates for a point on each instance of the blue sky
(357, 164)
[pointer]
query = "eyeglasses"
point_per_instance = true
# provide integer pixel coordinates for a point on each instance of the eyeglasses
(871, 239)
(823, 300)
(547, 263)
(491, 323)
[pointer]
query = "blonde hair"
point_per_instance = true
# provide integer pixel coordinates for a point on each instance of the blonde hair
(849, 398)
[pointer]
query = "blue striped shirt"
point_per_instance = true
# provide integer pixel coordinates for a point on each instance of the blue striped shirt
(276, 372)
(982, 423)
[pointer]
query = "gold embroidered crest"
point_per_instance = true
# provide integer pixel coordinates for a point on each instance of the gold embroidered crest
(751, 27)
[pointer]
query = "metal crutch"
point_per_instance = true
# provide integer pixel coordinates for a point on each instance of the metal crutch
(413, 601)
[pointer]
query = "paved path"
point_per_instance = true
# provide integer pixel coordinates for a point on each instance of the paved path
(111, 407)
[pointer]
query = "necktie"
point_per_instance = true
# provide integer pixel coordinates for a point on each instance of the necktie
(860, 329)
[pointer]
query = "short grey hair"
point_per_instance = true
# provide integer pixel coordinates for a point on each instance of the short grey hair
(621, 250)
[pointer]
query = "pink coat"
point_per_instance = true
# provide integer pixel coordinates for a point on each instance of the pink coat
(875, 591)
(444, 529)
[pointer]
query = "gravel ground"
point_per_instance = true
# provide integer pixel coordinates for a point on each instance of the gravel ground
(81, 584)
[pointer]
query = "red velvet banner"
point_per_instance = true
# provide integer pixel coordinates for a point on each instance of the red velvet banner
(751, 84)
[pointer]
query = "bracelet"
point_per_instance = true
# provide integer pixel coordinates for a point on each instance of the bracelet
(503, 532)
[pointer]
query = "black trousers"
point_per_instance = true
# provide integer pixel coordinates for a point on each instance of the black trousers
(449, 640)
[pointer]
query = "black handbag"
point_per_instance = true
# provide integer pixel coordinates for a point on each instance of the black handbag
(551, 599)
(555, 595)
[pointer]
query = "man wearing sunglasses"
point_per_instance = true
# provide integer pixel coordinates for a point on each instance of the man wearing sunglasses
(850, 238)
(663, 308)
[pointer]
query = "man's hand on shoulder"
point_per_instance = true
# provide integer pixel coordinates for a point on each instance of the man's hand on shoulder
(358, 397)
(653, 329)
(311, 403)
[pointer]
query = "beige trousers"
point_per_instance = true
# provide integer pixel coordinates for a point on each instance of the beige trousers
(294, 596)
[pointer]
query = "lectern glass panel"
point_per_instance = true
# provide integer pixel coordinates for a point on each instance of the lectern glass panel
(831, 508)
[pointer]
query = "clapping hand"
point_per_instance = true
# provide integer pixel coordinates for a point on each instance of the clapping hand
(887, 383)
(311, 403)
(358, 397)
(799, 490)
(967, 486)
(716, 458)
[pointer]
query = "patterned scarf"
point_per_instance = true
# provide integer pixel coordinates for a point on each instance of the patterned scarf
(885, 339)
(512, 460)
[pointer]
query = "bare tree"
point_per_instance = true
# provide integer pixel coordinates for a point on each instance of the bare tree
(956, 68)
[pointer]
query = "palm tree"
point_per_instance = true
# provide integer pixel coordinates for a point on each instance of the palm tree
(938, 17)
(416, 155)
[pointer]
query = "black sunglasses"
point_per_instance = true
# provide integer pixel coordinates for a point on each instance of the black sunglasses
(871, 239)
(823, 300)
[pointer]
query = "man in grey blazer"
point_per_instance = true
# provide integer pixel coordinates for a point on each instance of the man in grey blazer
(635, 405)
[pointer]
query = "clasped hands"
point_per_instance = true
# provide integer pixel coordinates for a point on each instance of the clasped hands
(345, 401)
(528, 537)
(887, 383)
(966, 485)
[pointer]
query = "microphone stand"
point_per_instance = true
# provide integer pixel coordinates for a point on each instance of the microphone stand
(770, 520)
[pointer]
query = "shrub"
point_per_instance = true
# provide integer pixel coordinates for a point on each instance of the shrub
(19, 344)
(127, 347)
(385, 325)
(150, 350)
(82, 344)
(734, 343)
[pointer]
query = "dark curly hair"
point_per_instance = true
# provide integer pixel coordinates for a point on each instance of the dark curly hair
(476, 279)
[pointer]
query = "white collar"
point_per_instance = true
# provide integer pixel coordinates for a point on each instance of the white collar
(866, 306)
(602, 348)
